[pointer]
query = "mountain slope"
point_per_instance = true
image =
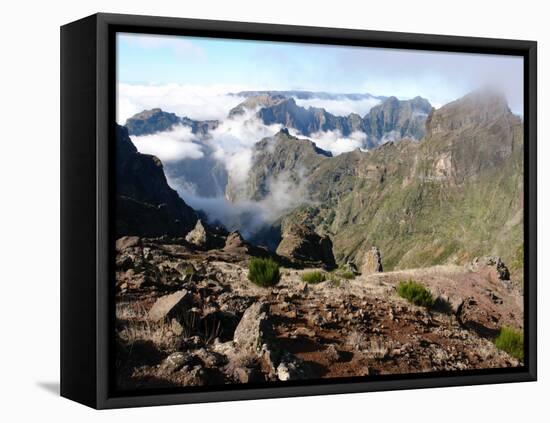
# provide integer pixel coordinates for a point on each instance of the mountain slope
(282, 158)
(455, 195)
(145, 204)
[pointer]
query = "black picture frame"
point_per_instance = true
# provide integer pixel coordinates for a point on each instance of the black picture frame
(87, 242)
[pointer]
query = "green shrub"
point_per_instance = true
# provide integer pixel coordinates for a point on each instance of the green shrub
(313, 277)
(511, 341)
(343, 273)
(263, 272)
(415, 293)
(346, 274)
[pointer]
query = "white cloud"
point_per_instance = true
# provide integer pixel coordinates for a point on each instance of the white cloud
(233, 142)
(336, 143)
(341, 107)
(248, 216)
(169, 146)
(193, 101)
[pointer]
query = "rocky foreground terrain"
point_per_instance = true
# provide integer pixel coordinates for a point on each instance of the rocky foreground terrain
(187, 315)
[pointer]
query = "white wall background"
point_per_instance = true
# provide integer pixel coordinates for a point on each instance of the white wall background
(29, 235)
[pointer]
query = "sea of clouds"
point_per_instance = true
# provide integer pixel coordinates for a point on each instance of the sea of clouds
(231, 144)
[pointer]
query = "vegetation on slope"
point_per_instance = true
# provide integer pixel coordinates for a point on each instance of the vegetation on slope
(511, 341)
(263, 272)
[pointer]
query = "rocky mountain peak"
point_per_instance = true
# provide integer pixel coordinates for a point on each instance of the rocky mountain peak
(256, 101)
(477, 108)
(151, 121)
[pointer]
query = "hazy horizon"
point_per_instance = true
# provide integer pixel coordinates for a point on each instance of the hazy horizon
(162, 71)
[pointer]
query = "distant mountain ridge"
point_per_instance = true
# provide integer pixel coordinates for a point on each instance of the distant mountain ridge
(156, 120)
(452, 196)
(391, 120)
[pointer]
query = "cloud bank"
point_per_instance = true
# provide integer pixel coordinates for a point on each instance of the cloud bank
(336, 143)
(194, 101)
(170, 146)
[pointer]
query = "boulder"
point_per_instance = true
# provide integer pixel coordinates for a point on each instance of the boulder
(254, 330)
(293, 368)
(302, 244)
(235, 241)
(372, 262)
(170, 306)
(175, 362)
(126, 242)
(198, 236)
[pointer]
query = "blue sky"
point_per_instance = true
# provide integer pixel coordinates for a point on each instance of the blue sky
(239, 64)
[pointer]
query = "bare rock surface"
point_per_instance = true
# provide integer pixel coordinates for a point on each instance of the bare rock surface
(169, 306)
(372, 262)
(199, 321)
(302, 244)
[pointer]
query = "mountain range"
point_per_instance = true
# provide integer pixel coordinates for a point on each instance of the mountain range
(455, 195)
(392, 119)
(447, 188)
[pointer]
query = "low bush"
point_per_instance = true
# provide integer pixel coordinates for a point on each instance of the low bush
(346, 274)
(415, 293)
(263, 272)
(313, 277)
(511, 341)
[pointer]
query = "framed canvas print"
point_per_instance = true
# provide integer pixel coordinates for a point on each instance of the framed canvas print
(255, 211)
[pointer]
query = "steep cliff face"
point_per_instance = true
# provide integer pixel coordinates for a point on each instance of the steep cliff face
(395, 119)
(472, 135)
(145, 203)
(308, 121)
(452, 196)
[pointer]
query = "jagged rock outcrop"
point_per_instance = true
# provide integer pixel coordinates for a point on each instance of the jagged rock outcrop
(395, 119)
(254, 330)
(308, 121)
(145, 203)
(492, 266)
(372, 262)
(198, 236)
(470, 137)
(235, 242)
(303, 245)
